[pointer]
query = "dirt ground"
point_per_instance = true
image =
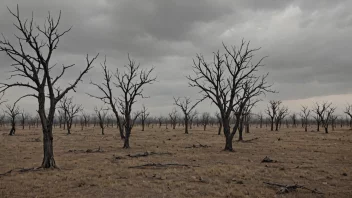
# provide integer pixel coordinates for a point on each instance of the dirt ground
(312, 159)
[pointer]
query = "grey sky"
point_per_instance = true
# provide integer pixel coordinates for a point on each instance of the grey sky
(308, 43)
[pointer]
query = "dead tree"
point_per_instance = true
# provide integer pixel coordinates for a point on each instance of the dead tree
(187, 109)
(348, 111)
(160, 121)
(294, 119)
(107, 96)
(218, 118)
(32, 64)
(281, 114)
(2, 119)
(12, 111)
(101, 114)
(24, 118)
(86, 119)
(230, 81)
(260, 117)
(205, 120)
(144, 115)
(70, 111)
(324, 112)
(193, 116)
(272, 111)
(304, 116)
(173, 118)
(131, 83)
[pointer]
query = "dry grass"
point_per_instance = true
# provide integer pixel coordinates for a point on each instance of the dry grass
(313, 159)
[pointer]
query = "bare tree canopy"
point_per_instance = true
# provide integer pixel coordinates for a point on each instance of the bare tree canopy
(70, 111)
(324, 113)
(305, 115)
(230, 81)
(12, 111)
(101, 114)
(32, 54)
(186, 107)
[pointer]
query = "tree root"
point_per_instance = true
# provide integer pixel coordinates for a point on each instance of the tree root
(145, 154)
(289, 188)
(159, 165)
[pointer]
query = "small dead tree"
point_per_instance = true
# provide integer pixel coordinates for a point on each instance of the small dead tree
(101, 114)
(272, 112)
(70, 110)
(294, 119)
(86, 119)
(205, 120)
(348, 111)
(281, 114)
(304, 116)
(144, 115)
(187, 109)
(230, 81)
(32, 64)
(24, 117)
(324, 113)
(131, 83)
(12, 111)
(173, 118)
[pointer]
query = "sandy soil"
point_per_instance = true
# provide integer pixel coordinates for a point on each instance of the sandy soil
(312, 159)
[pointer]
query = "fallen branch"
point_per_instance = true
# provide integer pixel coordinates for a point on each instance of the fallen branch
(145, 154)
(268, 160)
(289, 188)
(246, 141)
(8, 172)
(159, 165)
(98, 150)
(198, 146)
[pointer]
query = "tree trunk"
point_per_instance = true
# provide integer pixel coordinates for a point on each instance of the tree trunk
(272, 125)
(12, 131)
(326, 130)
(220, 127)
(48, 160)
(126, 143)
(102, 131)
(142, 125)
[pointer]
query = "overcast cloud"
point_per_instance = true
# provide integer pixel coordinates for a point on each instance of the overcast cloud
(308, 43)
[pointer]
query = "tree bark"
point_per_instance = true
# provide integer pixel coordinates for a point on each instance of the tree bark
(48, 160)
(126, 143)
(220, 127)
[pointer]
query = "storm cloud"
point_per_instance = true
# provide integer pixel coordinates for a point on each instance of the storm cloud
(307, 43)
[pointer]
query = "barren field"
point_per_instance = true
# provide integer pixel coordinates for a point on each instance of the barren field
(312, 159)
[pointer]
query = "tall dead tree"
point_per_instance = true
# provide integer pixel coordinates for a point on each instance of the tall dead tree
(305, 116)
(187, 109)
(70, 111)
(107, 96)
(272, 112)
(294, 119)
(144, 115)
(205, 120)
(173, 118)
(324, 112)
(101, 114)
(281, 114)
(32, 64)
(230, 81)
(24, 117)
(348, 111)
(131, 83)
(12, 111)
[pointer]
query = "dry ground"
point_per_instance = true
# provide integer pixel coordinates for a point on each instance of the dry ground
(313, 159)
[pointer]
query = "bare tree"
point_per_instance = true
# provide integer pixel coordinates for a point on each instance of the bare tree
(205, 119)
(305, 115)
(107, 96)
(281, 114)
(160, 121)
(272, 111)
(131, 83)
(230, 81)
(348, 111)
(173, 118)
(24, 117)
(32, 63)
(101, 114)
(2, 119)
(218, 118)
(324, 113)
(144, 115)
(294, 119)
(70, 111)
(186, 108)
(12, 111)
(86, 119)
(260, 117)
